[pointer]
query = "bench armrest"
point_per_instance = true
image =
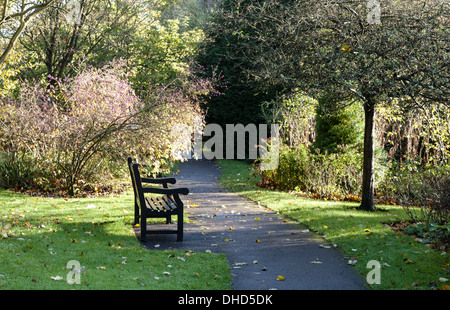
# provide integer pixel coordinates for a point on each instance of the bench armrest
(166, 191)
(158, 180)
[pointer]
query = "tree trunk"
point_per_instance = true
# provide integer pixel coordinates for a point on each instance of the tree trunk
(367, 202)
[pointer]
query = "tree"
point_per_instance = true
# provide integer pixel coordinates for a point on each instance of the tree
(360, 50)
(100, 31)
(14, 17)
(225, 48)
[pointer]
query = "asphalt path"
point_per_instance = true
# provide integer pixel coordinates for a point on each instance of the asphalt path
(265, 251)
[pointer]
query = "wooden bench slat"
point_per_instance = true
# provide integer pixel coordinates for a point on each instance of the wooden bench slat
(163, 205)
(169, 202)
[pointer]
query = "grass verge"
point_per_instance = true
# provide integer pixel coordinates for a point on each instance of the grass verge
(361, 236)
(41, 238)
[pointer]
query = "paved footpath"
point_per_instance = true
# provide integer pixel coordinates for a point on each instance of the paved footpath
(260, 245)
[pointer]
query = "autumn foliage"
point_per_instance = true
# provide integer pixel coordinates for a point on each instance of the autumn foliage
(77, 131)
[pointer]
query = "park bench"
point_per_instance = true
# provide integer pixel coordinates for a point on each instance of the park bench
(165, 203)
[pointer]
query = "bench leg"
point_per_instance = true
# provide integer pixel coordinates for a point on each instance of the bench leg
(136, 214)
(180, 227)
(143, 229)
(169, 219)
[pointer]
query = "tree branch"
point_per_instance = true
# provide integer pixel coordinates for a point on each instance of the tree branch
(24, 16)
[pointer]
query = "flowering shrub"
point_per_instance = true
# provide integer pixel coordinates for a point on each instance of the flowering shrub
(77, 129)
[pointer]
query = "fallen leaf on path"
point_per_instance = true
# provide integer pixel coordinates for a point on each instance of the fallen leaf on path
(280, 278)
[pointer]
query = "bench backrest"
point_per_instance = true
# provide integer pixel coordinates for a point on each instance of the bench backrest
(137, 184)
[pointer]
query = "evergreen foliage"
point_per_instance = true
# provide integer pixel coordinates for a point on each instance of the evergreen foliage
(334, 127)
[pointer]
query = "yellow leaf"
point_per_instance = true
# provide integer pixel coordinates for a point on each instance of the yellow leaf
(257, 219)
(366, 230)
(346, 48)
(280, 278)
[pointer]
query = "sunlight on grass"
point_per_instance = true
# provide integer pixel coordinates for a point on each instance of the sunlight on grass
(361, 236)
(44, 234)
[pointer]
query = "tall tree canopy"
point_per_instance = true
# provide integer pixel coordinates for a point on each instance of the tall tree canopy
(370, 51)
(225, 47)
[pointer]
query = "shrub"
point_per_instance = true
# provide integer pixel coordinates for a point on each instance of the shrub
(326, 175)
(17, 170)
(290, 169)
(82, 130)
(424, 191)
(336, 175)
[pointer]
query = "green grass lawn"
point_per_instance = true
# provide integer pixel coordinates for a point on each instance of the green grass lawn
(40, 236)
(361, 236)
